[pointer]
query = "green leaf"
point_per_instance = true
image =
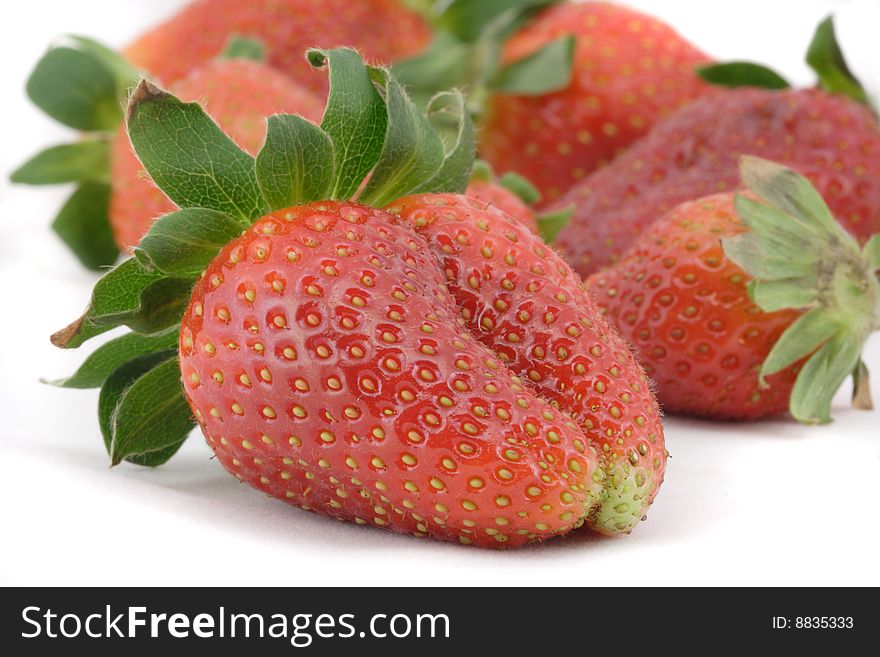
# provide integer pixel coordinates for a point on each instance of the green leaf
(821, 377)
(549, 69)
(871, 252)
(295, 166)
(454, 175)
(146, 302)
(520, 186)
(125, 75)
(160, 306)
(443, 64)
(787, 190)
(83, 224)
(184, 242)
(413, 151)
(742, 74)
(189, 157)
(773, 295)
(108, 357)
(241, 47)
(806, 334)
(471, 19)
(152, 416)
(826, 58)
(83, 161)
(110, 398)
(550, 224)
(800, 257)
(777, 247)
(482, 172)
(77, 89)
(355, 118)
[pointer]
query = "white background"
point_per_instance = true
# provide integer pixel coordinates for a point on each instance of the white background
(769, 503)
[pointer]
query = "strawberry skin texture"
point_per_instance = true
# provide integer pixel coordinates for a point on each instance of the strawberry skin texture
(686, 309)
(239, 94)
(832, 140)
(326, 364)
(522, 301)
(630, 70)
(383, 30)
(505, 200)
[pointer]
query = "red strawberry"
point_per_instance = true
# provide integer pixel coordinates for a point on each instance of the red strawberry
(831, 139)
(432, 368)
(239, 94)
(498, 196)
(686, 306)
(522, 301)
(383, 30)
(630, 70)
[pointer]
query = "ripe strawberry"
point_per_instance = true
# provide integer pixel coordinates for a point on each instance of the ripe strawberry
(239, 94)
(383, 30)
(831, 139)
(523, 302)
(496, 195)
(703, 330)
(630, 70)
(361, 363)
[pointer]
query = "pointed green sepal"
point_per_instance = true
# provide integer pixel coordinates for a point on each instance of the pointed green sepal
(296, 164)
(355, 118)
(742, 74)
(83, 161)
(184, 242)
(128, 295)
(189, 157)
(142, 410)
(242, 47)
(113, 354)
(871, 252)
(83, 225)
(801, 258)
(75, 89)
(547, 70)
(550, 224)
(443, 64)
(450, 109)
(825, 57)
(412, 152)
(520, 186)
(470, 20)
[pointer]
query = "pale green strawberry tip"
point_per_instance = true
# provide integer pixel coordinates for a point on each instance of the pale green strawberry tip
(625, 494)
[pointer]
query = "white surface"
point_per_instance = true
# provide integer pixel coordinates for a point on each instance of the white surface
(769, 503)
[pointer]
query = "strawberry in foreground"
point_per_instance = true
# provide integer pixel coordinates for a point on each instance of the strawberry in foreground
(432, 368)
(827, 134)
(239, 94)
(743, 306)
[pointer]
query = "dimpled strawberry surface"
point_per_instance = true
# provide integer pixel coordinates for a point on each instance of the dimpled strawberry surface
(331, 365)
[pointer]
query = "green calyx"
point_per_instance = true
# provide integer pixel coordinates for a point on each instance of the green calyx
(84, 85)
(824, 56)
(372, 146)
(800, 257)
(549, 223)
(466, 52)
(81, 84)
